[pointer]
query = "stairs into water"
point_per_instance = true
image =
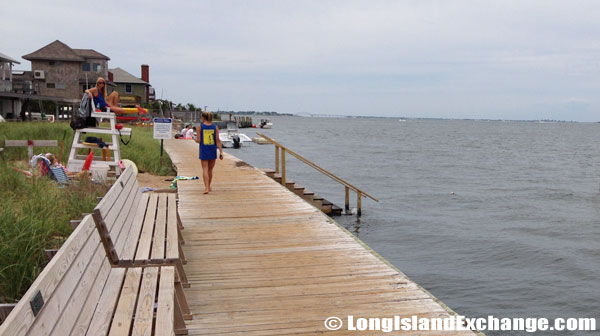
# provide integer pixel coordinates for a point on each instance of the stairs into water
(317, 201)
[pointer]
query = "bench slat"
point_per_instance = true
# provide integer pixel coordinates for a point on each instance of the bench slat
(126, 305)
(165, 313)
(118, 206)
(158, 244)
(21, 318)
(108, 200)
(143, 250)
(136, 227)
(116, 216)
(172, 232)
(145, 309)
(106, 304)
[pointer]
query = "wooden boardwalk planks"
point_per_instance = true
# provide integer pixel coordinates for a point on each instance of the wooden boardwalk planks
(262, 261)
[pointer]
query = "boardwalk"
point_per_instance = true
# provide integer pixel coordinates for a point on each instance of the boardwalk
(262, 261)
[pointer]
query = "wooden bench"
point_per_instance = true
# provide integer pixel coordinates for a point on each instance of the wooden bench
(151, 220)
(80, 293)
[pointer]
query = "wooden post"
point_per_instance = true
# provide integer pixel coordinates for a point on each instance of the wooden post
(358, 201)
(283, 166)
(276, 159)
(347, 207)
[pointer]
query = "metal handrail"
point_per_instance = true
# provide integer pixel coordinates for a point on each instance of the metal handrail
(313, 165)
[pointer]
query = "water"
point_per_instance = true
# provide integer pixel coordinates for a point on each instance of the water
(493, 218)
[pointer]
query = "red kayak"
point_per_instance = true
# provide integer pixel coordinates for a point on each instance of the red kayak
(122, 118)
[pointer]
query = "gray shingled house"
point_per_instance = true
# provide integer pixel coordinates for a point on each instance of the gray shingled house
(60, 71)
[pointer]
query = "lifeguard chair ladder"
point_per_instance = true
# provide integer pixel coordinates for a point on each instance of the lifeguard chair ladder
(76, 161)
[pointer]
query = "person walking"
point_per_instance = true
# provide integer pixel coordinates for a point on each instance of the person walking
(208, 138)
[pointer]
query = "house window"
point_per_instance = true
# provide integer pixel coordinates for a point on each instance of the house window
(97, 67)
(128, 88)
(85, 66)
(57, 63)
(50, 85)
(61, 86)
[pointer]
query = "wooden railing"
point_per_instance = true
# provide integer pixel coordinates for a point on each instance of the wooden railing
(281, 148)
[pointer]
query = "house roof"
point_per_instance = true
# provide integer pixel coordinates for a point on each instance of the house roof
(122, 76)
(58, 51)
(90, 53)
(5, 58)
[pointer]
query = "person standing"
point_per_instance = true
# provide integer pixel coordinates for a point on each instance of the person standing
(189, 134)
(208, 138)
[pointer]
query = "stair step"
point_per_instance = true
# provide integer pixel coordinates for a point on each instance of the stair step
(336, 210)
(326, 208)
(269, 172)
(289, 185)
(298, 190)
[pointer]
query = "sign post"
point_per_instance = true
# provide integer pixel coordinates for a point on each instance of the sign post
(163, 129)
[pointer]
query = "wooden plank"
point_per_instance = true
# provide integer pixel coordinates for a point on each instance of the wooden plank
(110, 224)
(166, 297)
(136, 227)
(160, 227)
(124, 312)
(145, 241)
(35, 143)
(172, 251)
(144, 314)
(111, 196)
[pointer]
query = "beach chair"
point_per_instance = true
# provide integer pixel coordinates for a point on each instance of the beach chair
(57, 173)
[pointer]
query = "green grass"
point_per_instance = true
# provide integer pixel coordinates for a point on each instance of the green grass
(34, 216)
(35, 212)
(143, 149)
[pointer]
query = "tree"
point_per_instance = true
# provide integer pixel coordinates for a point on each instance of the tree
(191, 107)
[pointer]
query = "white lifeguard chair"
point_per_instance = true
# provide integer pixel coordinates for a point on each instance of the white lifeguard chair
(76, 161)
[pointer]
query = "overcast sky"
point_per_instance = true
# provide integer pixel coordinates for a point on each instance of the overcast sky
(450, 59)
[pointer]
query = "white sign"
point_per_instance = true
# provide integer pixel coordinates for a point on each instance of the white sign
(163, 128)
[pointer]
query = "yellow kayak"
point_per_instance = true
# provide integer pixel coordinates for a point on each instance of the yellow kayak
(133, 110)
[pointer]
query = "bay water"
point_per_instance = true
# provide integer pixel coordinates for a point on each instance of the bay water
(492, 217)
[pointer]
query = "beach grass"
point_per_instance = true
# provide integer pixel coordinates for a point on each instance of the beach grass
(35, 212)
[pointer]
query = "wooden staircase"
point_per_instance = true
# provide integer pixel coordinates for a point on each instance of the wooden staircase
(317, 201)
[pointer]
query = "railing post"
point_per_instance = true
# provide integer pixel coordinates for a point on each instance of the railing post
(283, 166)
(358, 201)
(276, 159)
(347, 207)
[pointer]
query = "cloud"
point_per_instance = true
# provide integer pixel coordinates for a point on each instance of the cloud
(430, 58)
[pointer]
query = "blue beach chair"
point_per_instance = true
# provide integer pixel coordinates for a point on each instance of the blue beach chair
(57, 173)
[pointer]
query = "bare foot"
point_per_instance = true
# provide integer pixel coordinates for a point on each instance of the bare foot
(206, 191)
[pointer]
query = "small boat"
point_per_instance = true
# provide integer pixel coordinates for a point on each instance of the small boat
(232, 137)
(265, 123)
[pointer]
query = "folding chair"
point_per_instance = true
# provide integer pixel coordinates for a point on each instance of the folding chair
(57, 173)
